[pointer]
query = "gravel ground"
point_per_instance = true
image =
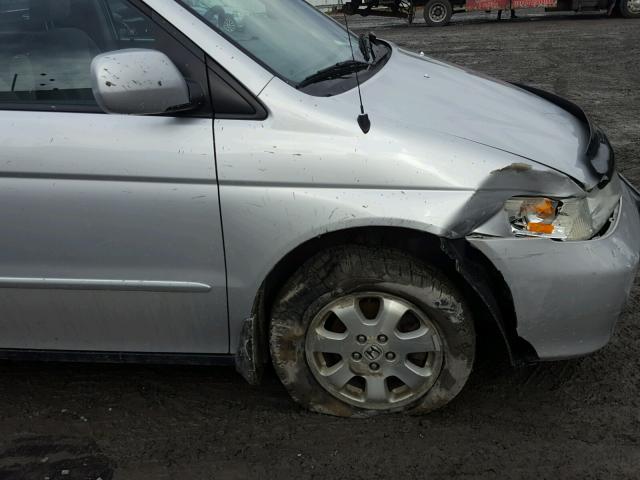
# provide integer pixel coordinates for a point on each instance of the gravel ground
(577, 419)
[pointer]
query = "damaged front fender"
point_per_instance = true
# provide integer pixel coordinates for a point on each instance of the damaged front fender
(516, 179)
(568, 295)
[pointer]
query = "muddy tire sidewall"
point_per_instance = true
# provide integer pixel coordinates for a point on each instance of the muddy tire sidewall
(346, 270)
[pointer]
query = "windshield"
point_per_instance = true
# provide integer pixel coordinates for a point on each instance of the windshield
(290, 37)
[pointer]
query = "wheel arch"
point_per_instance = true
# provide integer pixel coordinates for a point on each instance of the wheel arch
(483, 286)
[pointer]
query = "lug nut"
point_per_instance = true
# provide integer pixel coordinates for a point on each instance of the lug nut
(390, 356)
(361, 339)
(374, 366)
(356, 355)
(382, 338)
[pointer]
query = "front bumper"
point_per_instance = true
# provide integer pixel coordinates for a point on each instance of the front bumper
(569, 295)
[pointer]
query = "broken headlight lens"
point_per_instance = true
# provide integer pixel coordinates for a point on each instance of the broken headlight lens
(566, 219)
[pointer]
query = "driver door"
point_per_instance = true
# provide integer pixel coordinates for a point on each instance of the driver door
(111, 235)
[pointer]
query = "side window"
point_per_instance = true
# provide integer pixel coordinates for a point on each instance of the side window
(46, 49)
(132, 28)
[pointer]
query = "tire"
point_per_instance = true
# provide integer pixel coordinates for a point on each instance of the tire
(629, 8)
(385, 373)
(437, 13)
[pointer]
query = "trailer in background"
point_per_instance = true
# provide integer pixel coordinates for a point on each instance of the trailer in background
(438, 12)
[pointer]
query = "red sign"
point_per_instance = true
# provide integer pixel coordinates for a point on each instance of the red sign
(487, 5)
(472, 5)
(533, 3)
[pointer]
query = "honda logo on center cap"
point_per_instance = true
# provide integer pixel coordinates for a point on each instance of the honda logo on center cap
(372, 352)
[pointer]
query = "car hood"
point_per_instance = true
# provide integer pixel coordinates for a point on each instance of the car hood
(416, 92)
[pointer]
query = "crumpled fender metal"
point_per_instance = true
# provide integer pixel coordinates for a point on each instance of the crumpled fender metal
(482, 205)
(499, 305)
(517, 179)
(604, 267)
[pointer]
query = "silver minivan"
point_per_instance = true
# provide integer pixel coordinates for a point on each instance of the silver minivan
(287, 192)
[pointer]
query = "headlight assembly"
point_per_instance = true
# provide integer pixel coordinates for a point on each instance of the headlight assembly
(566, 219)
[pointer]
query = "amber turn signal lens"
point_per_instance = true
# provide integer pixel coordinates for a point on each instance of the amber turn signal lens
(540, 227)
(545, 208)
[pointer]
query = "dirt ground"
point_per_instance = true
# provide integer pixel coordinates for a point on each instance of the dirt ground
(576, 419)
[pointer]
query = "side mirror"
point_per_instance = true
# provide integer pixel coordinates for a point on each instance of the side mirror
(139, 82)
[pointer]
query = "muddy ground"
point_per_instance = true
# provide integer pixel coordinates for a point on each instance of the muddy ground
(577, 419)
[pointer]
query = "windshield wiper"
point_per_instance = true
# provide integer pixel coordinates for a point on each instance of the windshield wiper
(338, 70)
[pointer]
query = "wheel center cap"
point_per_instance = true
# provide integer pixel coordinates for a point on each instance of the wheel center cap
(372, 352)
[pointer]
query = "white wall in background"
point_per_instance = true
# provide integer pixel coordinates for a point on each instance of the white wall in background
(323, 3)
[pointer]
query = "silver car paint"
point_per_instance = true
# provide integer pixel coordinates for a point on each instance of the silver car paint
(308, 169)
(439, 136)
(568, 295)
(154, 86)
(110, 242)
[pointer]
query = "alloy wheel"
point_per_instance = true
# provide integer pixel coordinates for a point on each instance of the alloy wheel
(374, 350)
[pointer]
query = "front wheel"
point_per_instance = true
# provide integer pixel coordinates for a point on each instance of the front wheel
(630, 8)
(359, 331)
(437, 13)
